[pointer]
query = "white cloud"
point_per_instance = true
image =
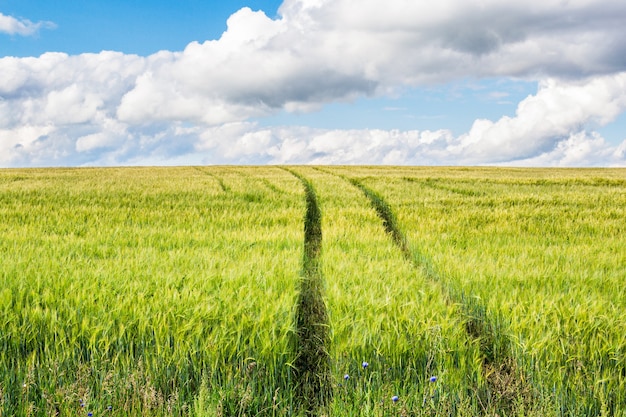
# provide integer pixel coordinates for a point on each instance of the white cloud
(20, 141)
(22, 27)
(245, 143)
(111, 135)
(111, 108)
(557, 111)
(579, 150)
(421, 42)
(296, 145)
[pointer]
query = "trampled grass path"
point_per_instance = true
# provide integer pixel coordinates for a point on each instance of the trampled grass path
(391, 329)
(506, 388)
(221, 183)
(198, 291)
(313, 363)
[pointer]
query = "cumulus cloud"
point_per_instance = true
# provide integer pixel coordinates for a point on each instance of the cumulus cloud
(112, 108)
(558, 111)
(247, 143)
(580, 149)
(423, 42)
(321, 51)
(550, 128)
(22, 27)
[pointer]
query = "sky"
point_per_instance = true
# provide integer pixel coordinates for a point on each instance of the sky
(394, 82)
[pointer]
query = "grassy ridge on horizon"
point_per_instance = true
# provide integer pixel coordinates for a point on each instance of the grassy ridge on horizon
(172, 291)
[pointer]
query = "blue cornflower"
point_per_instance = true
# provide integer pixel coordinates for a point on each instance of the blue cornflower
(346, 377)
(109, 407)
(433, 379)
(365, 365)
(395, 398)
(89, 414)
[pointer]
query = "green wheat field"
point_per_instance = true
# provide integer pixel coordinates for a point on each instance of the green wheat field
(312, 291)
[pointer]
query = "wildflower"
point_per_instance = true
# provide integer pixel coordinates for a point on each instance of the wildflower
(433, 379)
(109, 407)
(395, 398)
(90, 414)
(346, 377)
(365, 365)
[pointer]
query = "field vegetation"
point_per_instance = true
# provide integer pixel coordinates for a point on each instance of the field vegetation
(543, 253)
(339, 291)
(138, 288)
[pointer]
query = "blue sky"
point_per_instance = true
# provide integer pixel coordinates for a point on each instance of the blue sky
(131, 26)
(463, 82)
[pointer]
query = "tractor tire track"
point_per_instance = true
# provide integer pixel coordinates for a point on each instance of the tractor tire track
(313, 378)
(505, 387)
(225, 188)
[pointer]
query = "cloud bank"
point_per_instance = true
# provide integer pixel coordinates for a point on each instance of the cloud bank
(194, 106)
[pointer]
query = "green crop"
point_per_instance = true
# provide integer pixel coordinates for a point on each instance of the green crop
(386, 313)
(428, 291)
(134, 287)
(542, 249)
